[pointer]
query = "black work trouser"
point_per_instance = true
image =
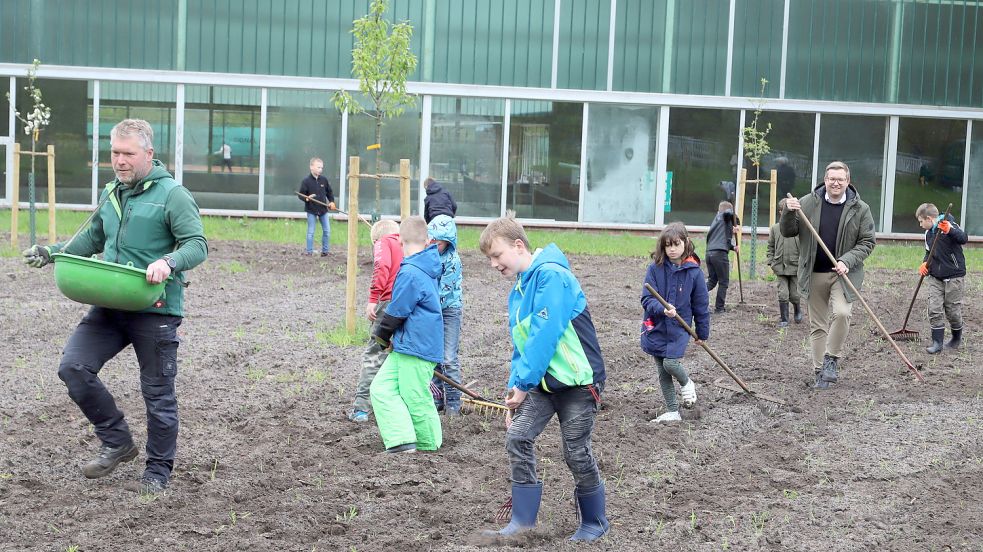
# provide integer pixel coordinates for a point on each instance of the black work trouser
(718, 272)
(100, 336)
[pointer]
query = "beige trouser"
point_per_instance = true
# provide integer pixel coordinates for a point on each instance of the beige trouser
(829, 316)
(945, 301)
(788, 288)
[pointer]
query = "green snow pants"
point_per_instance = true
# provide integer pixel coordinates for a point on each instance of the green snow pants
(403, 405)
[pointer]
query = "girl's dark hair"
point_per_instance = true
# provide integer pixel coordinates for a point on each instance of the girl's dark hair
(672, 233)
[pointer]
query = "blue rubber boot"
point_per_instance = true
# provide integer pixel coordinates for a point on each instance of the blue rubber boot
(593, 523)
(525, 508)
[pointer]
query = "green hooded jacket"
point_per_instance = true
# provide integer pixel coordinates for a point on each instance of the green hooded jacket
(854, 236)
(141, 224)
(783, 253)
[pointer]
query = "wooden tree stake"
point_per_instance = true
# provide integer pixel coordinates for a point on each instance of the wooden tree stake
(404, 189)
(52, 233)
(352, 244)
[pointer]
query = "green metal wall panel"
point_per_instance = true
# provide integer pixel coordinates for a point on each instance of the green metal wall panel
(757, 47)
(689, 36)
(583, 50)
(839, 50)
(939, 61)
(639, 45)
(501, 42)
(137, 34)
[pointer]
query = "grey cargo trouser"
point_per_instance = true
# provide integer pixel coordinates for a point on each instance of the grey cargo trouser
(945, 301)
(372, 359)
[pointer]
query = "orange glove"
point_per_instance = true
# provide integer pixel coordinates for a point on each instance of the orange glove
(923, 269)
(945, 226)
(331, 205)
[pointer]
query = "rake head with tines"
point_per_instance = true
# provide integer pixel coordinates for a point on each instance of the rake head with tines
(436, 391)
(485, 408)
(505, 511)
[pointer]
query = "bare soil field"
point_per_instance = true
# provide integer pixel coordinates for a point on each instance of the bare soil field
(267, 461)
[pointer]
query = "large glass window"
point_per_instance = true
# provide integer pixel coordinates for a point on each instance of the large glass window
(621, 164)
(221, 146)
(931, 156)
(400, 140)
(973, 222)
(701, 163)
(300, 124)
(859, 142)
(154, 103)
(791, 139)
(544, 159)
(466, 152)
(69, 103)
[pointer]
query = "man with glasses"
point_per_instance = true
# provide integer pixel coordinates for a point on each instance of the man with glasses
(845, 224)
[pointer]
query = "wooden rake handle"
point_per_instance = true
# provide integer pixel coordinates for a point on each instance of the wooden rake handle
(856, 292)
(464, 389)
(706, 347)
(319, 202)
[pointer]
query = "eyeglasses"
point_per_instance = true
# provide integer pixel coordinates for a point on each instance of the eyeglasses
(836, 180)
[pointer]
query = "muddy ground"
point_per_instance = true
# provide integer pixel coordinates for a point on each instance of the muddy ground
(267, 461)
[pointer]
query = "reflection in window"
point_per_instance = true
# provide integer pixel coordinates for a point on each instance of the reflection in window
(931, 156)
(973, 221)
(154, 103)
(791, 139)
(69, 103)
(221, 146)
(621, 163)
(400, 140)
(858, 142)
(702, 160)
(300, 124)
(466, 152)
(544, 159)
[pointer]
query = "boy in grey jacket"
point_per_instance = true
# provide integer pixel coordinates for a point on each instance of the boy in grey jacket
(720, 241)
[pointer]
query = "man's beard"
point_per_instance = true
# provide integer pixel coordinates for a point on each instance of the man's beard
(130, 180)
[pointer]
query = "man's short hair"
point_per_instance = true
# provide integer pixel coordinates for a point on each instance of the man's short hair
(927, 210)
(313, 159)
(781, 204)
(506, 228)
(414, 230)
(837, 165)
(383, 228)
(134, 128)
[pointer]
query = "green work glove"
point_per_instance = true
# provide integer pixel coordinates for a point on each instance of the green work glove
(37, 256)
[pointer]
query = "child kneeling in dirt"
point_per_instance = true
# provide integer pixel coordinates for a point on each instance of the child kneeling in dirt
(387, 254)
(556, 368)
(783, 257)
(675, 274)
(411, 324)
(945, 272)
(443, 231)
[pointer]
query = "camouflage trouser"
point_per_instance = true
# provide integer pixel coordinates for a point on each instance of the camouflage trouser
(372, 359)
(945, 301)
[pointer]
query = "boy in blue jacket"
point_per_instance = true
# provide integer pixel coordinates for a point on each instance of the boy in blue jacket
(443, 231)
(556, 368)
(675, 274)
(411, 324)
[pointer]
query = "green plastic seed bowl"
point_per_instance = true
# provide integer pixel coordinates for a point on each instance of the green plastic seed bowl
(104, 284)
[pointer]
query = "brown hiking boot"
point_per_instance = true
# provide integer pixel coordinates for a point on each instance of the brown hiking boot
(107, 460)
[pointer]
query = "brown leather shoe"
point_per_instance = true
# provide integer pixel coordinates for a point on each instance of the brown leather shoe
(107, 460)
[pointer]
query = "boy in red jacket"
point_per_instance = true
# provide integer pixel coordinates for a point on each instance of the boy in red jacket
(387, 254)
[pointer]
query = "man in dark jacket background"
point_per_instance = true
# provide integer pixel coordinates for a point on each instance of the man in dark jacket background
(316, 187)
(845, 224)
(437, 202)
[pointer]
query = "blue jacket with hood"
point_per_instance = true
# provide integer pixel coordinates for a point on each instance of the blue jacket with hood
(413, 317)
(683, 287)
(554, 341)
(442, 227)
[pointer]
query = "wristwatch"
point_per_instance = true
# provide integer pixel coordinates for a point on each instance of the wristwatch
(170, 262)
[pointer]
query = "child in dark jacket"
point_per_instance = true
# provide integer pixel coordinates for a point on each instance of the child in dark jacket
(400, 392)
(945, 272)
(720, 242)
(675, 274)
(437, 202)
(387, 254)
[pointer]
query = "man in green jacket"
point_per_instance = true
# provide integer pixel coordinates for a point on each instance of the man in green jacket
(151, 221)
(845, 224)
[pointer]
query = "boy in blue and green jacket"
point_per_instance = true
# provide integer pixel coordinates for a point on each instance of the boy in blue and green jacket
(556, 368)
(443, 231)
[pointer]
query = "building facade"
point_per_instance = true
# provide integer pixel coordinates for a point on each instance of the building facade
(608, 113)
